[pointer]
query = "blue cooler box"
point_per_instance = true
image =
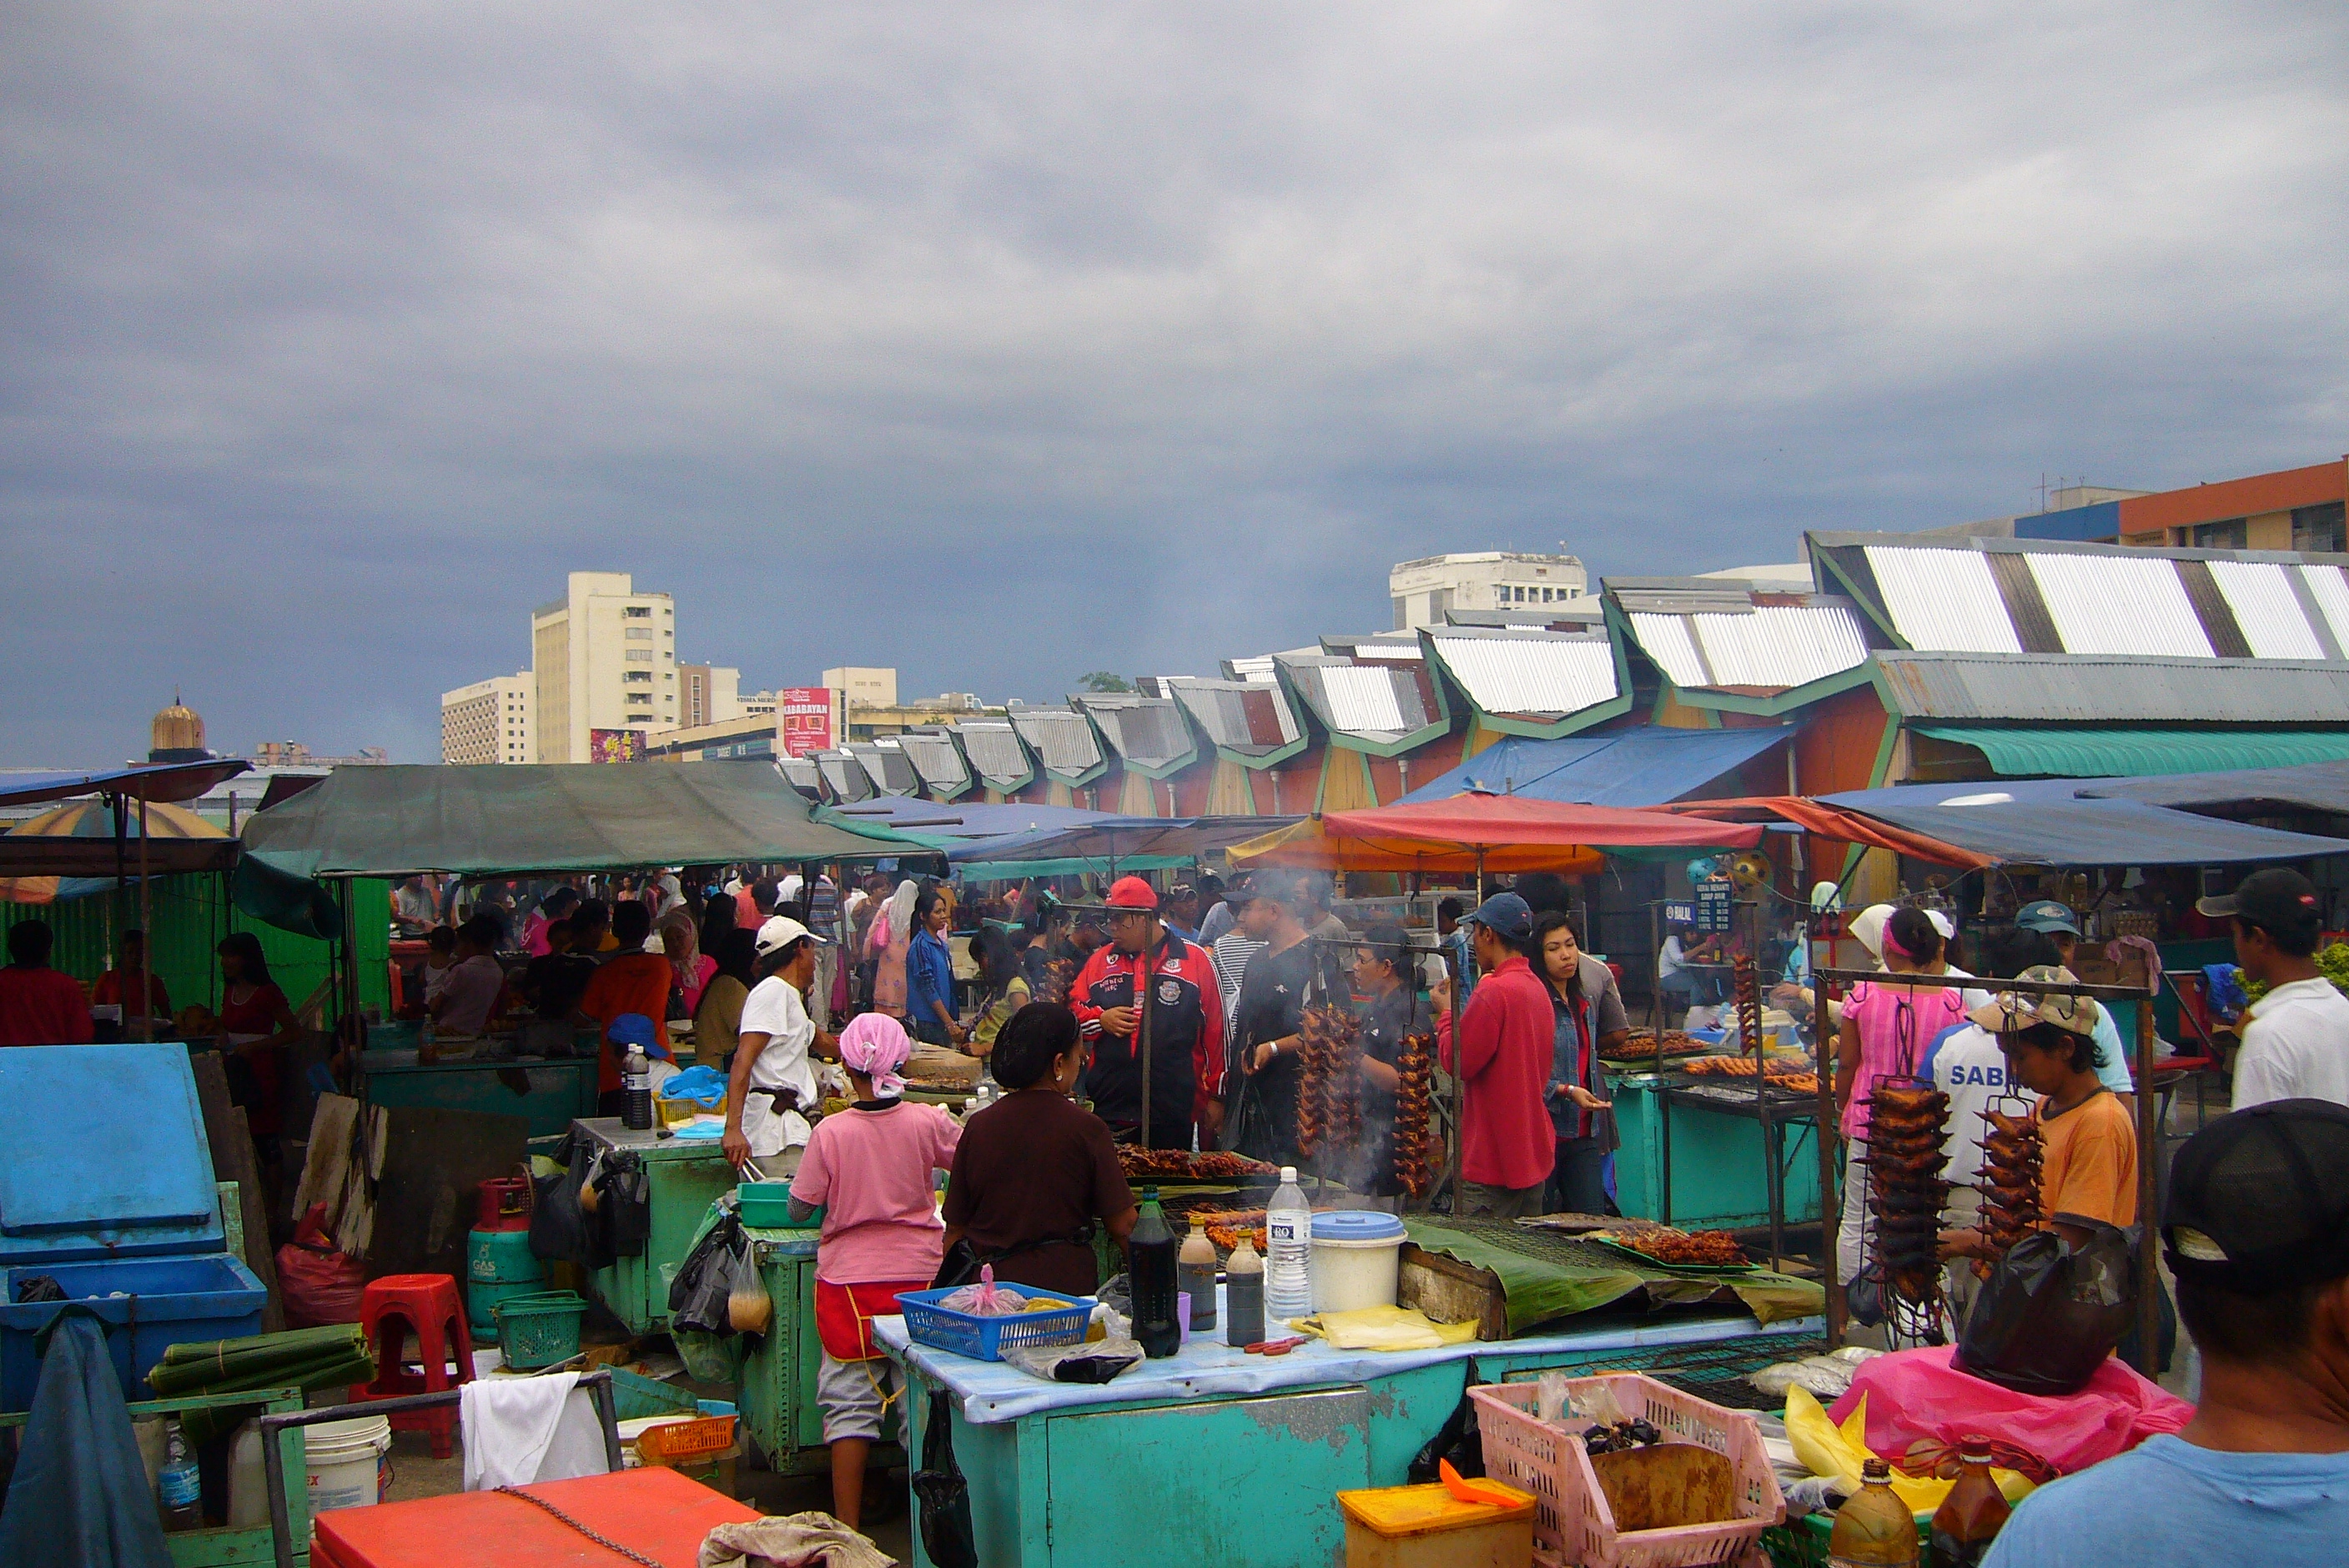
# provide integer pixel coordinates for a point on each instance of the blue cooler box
(106, 1186)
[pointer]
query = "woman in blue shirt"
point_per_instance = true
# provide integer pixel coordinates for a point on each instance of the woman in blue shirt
(929, 974)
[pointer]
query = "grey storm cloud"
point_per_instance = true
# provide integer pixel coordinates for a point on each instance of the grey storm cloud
(1002, 342)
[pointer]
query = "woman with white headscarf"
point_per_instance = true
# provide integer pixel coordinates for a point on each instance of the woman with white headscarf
(887, 942)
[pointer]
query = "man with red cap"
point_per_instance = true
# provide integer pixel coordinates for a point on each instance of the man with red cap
(1148, 985)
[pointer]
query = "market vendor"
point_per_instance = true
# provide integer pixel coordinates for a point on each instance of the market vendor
(1390, 1014)
(40, 1005)
(1146, 971)
(132, 986)
(2089, 1151)
(1289, 973)
(1588, 1020)
(261, 1029)
(771, 1087)
(1505, 1035)
(2255, 1237)
(630, 980)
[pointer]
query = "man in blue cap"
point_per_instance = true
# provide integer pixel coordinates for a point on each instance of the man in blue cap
(1505, 1037)
(2056, 922)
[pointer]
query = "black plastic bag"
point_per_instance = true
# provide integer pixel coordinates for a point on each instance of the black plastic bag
(2051, 1313)
(944, 1496)
(1457, 1441)
(624, 1205)
(558, 1227)
(697, 1296)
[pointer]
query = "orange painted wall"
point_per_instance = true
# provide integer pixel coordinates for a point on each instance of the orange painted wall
(2228, 499)
(1838, 743)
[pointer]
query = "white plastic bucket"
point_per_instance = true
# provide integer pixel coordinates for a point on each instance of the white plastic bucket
(1357, 1260)
(347, 1463)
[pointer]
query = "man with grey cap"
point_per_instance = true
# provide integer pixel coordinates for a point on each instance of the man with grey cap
(2257, 1235)
(2296, 1043)
(1505, 1038)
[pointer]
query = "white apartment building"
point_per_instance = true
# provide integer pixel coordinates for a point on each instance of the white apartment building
(1424, 590)
(603, 659)
(488, 721)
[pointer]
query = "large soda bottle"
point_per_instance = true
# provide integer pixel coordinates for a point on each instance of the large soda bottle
(636, 1078)
(1874, 1529)
(1152, 1256)
(1288, 1248)
(1195, 1275)
(1244, 1295)
(1973, 1513)
(179, 1490)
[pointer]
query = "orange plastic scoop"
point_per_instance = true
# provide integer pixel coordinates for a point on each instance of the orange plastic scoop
(1491, 1492)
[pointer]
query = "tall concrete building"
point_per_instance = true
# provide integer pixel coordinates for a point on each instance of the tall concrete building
(488, 721)
(603, 665)
(707, 694)
(1424, 589)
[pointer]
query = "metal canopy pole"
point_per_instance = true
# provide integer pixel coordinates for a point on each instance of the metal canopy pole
(145, 928)
(1830, 1202)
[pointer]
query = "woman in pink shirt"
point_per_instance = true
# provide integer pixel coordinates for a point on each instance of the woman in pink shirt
(871, 1170)
(1886, 1032)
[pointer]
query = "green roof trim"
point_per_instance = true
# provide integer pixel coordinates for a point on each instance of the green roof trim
(2018, 751)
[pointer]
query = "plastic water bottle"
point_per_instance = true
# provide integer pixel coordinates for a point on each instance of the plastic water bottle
(636, 1078)
(1289, 1251)
(179, 1488)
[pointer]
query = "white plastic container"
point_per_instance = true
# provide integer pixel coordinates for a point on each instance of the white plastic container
(1288, 1253)
(248, 1481)
(1357, 1259)
(346, 1463)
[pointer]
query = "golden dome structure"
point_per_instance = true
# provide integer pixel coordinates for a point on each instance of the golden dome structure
(177, 735)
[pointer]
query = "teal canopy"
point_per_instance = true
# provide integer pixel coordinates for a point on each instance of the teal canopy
(2020, 751)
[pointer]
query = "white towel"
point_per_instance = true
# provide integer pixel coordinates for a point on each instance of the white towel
(523, 1429)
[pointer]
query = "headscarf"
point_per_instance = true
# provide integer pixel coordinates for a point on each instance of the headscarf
(1868, 929)
(681, 945)
(874, 1044)
(901, 910)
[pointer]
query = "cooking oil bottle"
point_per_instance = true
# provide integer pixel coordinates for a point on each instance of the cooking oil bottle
(1874, 1529)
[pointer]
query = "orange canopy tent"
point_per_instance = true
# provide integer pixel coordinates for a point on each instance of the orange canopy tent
(1833, 822)
(1489, 834)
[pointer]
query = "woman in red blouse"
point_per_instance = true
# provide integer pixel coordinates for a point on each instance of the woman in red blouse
(259, 1027)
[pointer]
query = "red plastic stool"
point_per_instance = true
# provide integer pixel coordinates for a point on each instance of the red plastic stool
(428, 1307)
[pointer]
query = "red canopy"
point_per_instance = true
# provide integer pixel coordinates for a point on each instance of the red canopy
(1837, 823)
(1495, 821)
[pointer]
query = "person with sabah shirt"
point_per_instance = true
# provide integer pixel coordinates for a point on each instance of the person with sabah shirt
(1146, 968)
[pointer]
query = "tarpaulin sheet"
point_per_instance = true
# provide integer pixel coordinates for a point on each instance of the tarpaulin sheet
(1644, 766)
(947, 824)
(995, 1391)
(1848, 827)
(2088, 751)
(2015, 825)
(484, 821)
(150, 781)
(2317, 787)
(1121, 839)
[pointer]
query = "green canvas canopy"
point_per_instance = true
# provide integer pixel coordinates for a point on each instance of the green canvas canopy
(515, 821)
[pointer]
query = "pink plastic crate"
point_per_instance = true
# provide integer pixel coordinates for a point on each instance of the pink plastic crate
(1572, 1523)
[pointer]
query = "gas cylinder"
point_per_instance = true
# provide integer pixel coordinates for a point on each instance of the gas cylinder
(499, 1263)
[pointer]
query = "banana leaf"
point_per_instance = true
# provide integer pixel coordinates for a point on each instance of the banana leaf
(334, 1357)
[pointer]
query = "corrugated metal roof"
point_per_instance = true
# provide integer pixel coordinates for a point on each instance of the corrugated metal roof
(2065, 688)
(2120, 604)
(2267, 609)
(1670, 641)
(800, 773)
(1064, 739)
(995, 753)
(1147, 732)
(1743, 639)
(1381, 646)
(1251, 719)
(1255, 671)
(937, 757)
(1529, 673)
(844, 778)
(1380, 703)
(2330, 589)
(891, 772)
(1944, 601)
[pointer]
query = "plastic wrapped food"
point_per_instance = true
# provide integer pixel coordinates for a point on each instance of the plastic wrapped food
(987, 1298)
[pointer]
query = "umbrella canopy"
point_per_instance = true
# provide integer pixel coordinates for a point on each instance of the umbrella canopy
(71, 850)
(152, 782)
(1493, 832)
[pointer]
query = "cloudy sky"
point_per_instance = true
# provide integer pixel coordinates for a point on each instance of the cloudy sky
(1005, 342)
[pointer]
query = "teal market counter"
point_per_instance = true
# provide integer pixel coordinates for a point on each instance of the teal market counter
(548, 1093)
(682, 1175)
(1216, 1457)
(1711, 1171)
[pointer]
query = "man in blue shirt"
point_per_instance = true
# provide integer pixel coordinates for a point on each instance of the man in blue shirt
(2257, 1233)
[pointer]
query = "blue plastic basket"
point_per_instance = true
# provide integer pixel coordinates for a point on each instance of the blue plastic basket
(986, 1339)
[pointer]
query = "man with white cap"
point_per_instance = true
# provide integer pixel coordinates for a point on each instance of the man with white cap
(772, 1085)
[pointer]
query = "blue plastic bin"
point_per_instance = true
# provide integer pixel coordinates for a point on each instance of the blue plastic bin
(165, 1302)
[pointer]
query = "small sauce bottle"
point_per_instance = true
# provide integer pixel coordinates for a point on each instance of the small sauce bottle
(1244, 1295)
(1196, 1277)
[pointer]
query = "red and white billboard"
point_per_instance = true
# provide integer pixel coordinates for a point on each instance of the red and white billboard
(806, 719)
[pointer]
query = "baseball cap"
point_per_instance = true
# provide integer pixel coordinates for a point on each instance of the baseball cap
(1132, 892)
(779, 932)
(2011, 1012)
(2259, 1201)
(2275, 900)
(2047, 916)
(636, 1029)
(1506, 916)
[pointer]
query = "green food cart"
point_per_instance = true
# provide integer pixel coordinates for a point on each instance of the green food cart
(778, 1389)
(681, 1176)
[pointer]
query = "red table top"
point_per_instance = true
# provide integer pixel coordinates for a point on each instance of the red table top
(653, 1511)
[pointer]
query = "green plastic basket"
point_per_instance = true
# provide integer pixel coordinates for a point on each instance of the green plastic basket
(635, 1396)
(539, 1330)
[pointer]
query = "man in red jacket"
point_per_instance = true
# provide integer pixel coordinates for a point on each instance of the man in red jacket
(1146, 977)
(1505, 1045)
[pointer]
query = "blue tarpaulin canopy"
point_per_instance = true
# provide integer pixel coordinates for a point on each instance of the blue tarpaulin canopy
(1649, 766)
(2049, 822)
(146, 781)
(1113, 844)
(948, 824)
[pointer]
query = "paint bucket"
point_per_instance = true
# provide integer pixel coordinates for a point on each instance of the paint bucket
(349, 1462)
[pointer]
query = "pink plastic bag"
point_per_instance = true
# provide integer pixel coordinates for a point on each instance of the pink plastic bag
(987, 1298)
(1916, 1396)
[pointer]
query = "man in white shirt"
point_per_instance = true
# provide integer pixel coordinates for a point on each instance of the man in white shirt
(2296, 1043)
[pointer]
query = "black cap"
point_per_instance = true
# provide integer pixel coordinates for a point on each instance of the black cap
(2279, 902)
(2259, 1201)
